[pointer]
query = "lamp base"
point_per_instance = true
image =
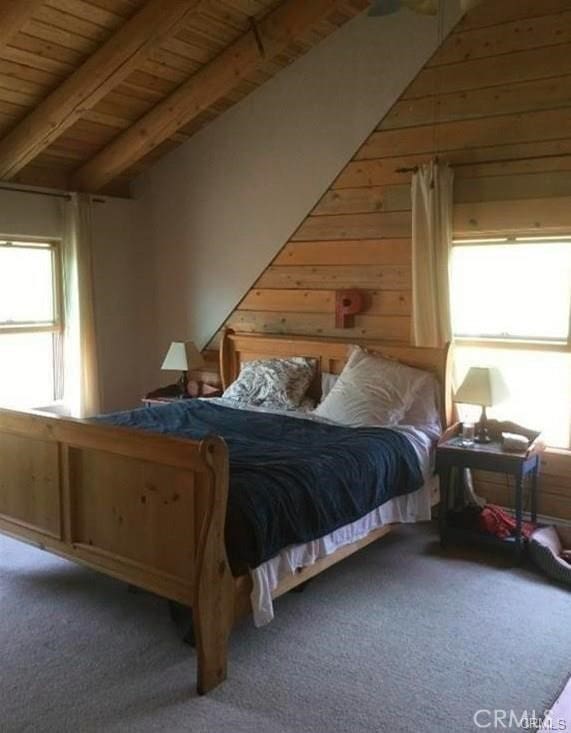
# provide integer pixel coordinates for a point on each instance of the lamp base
(183, 384)
(482, 435)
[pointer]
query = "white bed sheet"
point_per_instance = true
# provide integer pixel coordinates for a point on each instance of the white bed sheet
(414, 507)
(266, 577)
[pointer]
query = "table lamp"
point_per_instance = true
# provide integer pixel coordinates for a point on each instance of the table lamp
(182, 356)
(483, 386)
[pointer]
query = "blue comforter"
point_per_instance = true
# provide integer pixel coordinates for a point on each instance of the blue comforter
(291, 480)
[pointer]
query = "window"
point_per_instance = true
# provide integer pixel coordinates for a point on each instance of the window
(511, 308)
(30, 324)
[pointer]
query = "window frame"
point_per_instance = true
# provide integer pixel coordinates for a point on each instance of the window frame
(519, 342)
(56, 325)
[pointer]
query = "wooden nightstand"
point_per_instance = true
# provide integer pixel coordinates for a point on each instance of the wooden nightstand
(153, 401)
(165, 395)
(451, 454)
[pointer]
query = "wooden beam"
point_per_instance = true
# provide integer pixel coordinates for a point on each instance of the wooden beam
(105, 69)
(13, 15)
(276, 31)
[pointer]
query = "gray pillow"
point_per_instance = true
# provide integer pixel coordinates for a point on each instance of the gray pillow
(277, 383)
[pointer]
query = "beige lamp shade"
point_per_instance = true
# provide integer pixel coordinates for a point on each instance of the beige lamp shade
(182, 356)
(482, 386)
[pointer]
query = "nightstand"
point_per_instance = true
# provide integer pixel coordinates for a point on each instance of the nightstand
(452, 454)
(165, 395)
(149, 401)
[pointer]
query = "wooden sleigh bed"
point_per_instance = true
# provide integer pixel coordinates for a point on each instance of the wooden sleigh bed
(150, 509)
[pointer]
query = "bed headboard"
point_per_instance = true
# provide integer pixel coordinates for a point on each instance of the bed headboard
(331, 355)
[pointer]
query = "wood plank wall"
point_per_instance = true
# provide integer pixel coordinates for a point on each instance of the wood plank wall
(494, 101)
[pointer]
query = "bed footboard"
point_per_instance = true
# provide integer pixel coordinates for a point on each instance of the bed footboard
(147, 509)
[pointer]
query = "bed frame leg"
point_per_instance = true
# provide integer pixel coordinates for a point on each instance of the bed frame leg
(211, 633)
(213, 605)
(181, 616)
(301, 587)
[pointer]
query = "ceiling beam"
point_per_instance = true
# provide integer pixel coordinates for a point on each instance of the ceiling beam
(272, 35)
(113, 62)
(13, 16)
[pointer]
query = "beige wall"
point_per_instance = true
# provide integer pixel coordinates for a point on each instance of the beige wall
(123, 284)
(26, 215)
(223, 204)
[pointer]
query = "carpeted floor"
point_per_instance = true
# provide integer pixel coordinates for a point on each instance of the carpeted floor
(399, 638)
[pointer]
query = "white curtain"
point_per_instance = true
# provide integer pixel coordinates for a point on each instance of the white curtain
(432, 209)
(81, 372)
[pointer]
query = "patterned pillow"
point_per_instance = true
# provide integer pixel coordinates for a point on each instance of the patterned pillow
(277, 383)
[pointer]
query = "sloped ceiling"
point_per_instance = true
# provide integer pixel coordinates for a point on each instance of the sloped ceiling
(92, 92)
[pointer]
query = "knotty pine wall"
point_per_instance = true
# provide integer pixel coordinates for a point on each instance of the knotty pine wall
(494, 101)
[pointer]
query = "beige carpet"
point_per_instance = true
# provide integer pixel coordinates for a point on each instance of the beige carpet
(398, 638)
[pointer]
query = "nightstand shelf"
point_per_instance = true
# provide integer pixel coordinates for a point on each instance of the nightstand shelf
(456, 535)
(451, 454)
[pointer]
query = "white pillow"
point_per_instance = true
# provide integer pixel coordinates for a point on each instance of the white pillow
(328, 381)
(424, 410)
(371, 391)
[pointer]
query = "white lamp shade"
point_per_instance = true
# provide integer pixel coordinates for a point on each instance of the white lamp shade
(182, 356)
(482, 386)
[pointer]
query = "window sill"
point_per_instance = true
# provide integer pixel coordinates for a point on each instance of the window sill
(54, 408)
(525, 345)
(566, 452)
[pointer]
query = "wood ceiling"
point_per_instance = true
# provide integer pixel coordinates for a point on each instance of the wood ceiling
(93, 91)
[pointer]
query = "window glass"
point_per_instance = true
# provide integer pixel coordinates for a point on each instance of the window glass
(539, 383)
(26, 284)
(27, 376)
(512, 291)
(31, 365)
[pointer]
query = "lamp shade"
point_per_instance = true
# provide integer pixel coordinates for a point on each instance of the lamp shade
(182, 356)
(482, 386)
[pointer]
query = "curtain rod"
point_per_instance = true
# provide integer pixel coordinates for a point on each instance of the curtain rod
(52, 194)
(415, 168)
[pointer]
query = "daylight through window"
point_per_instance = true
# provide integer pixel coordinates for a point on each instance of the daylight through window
(30, 324)
(511, 308)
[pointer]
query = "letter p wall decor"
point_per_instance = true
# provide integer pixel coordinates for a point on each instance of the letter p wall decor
(348, 303)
